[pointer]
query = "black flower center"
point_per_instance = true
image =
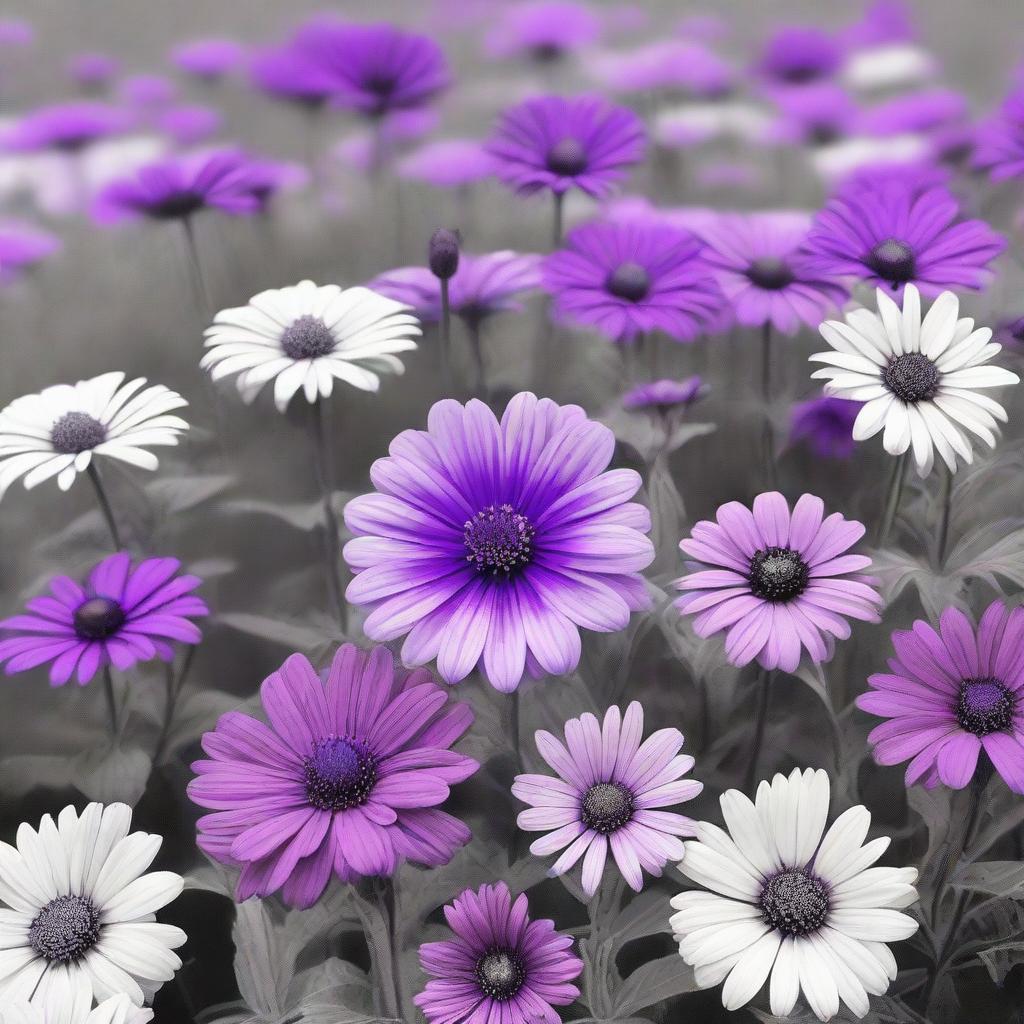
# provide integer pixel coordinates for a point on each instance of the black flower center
(180, 204)
(76, 432)
(340, 773)
(545, 53)
(607, 806)
(822, 133)
(307, 337)
(499, 540)
(770, 273)
(567, 158)
(629, 281)
(984, 706)
(777, 574)
(892, 260)
(65, 929)
(380, 84)
(912, 377)
(98, 618)
(794, 902)
(500, 974)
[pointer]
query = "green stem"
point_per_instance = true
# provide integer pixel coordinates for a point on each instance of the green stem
(892, 499)
(764, 685)
(104, 503)
(323, 463)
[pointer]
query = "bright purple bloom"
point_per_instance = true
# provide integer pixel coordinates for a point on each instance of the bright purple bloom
(346, 778)
(826, 425)
(122, 615)
(999, 144)
(893, 234)
(67, 127)
(884, 21)
(500, 967)
(188, 125)
(208, 59)
(951, 693)
(679, 66)
(92, 70)
(628, 279)
(544, 30)
(481, 286)
(558, 143)
(799, 55)
(665, 395)
(290, 72)
(776, 582)
(921, 112)
(764, 275)
(817, 115)
(22, 247)
(265, 179)
(493, 543)
(448, 163)
(916, 176)
(610, 794)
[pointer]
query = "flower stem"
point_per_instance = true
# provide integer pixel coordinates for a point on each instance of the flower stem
(556, 231)
(892, 499)
(380, 928)
(480, 388)
(195, 268)
(108, 689)
(332, 553)
(444, 340)
(104, 503)
(173, 684)
(768, 437)
(764, 685)
(945, 512)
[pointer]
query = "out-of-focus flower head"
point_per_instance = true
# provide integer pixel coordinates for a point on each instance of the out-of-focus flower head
(65, 127)
(882, 49)
(999, 140)
(674, 66)
(447, 163)
(665, 395)
(940, 116)
(797, 55)
(371, 146)
(1010, 334)
(288, 72)
(93, 71)
(147, 92)
(189, 125)
(543, 30)
(690, 124)
(23, 247)
(819, 114)
(208, 59)
(15, 33)
(825, 424)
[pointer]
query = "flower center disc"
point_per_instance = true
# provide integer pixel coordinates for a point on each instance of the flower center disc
(567, 158)
(498, 540)
(65, 929)
(98, 618)
(770, 273)
(76, 432)
(893, 261)
(985, 706)
(629, 281)
(180, 204)
(912, 377)
(794, 902)
(777, 574)
(340, 773)
(606, 807)
(500, 974)
(308, 337)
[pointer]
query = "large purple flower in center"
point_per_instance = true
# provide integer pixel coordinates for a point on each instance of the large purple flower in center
(494, 542)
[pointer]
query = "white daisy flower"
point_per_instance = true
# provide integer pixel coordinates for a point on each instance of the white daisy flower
(78, 918)
(305, 336)
(57, 432)
(808, 912)
(115, 1010)
(919, 379)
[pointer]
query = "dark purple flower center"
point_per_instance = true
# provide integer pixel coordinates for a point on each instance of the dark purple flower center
(567, 158)
(606, 807)
(777, 574)
(65, 929)
(499, 540)
(308, 337)
(500, 973)
(380, 83)
(822, 133)
(340, 773)
(984, 706)
(98, 618)
(545, 53)
(893, 260)
(912, 377)
(629, 281)
(794, 902)
(178, 204)
(770, 273)
(76, 432)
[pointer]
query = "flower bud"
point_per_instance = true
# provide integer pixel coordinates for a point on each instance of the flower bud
(444, 253)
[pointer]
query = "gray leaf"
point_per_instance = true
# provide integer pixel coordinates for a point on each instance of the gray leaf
(652, 982)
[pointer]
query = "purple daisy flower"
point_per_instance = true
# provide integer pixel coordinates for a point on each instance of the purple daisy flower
(92, 71)
(208, 59)
(764, 275)
(448, 163)
(23, 247)
(631, 278)
(500, 967)
(558, 143)
(817, 115)
(290, 73)
(122, 615)
(611, 793)
(951, 693)
(798, 55)
(776, 582)
(189, 125)
(495, 542)
(345, 779)
(147, 92)
(67, 127)
(543, 30)
(481, 286)
(679, 67)
(999, 141)
(893, 234)
(665, 395)
(826, 425)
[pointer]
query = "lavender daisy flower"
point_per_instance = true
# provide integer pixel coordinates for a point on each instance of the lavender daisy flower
(290, 73)
(543, 30)
(999, 141)
(826, 425)
(208, 59)
(798, 55)
(23, 247)
(147, 92)
(501, 966)
(1010, 334)
(610, 794)
(189, 125)
(950, 694)
(679, 67)
(893, 234)
(448, 163)
(776, 582)
(66, 127)
(494, 542)
(123, 614)
(558, 143)
(764, 275)
(346, 779)
(817, 115)
(93, 71)
(665, 395)
(631, 278)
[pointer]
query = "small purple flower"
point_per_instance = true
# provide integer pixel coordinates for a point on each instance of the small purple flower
(500, 967)
(1009, 333)
(763, 274)
(188, 125)
(819, 114)
(208, 59)
(448, 163)
(676, 66)
(951, 693)
(147, 92)
(481, 286)
(883, 21)
(22, 247)
(665, 395)
(543, 30)
(493, 543)
(799, 55)
(92, 71)
(776, 582)
(610, 794)
(892, 234)
(999, 143)
(826, 425)
(631, 278)
(66, 127)
(122, 615)
(922, 112)
(291, 73)
(559, 143)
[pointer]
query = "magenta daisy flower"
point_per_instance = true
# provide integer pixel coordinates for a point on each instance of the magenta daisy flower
(776, 582)
(797, 55)
(610, 795)
(665, 395)
(67, 127)
(123, 614)
(951, 693)
(493, 542)
(630, 278)
(826, 425)
(543, 30)
(208, 59)
(290, 73)
(558, 143)
(500, 967)
(999, 142)
(894, 233)
(763, 274)
(23, 247)
(447, 163)
(345, 779)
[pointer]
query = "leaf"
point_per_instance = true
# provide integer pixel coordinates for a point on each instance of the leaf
(1001, 958)
(667, 513)
(294, 635)
(896, 570)
(176, 494)
(997, 878)
(261, 973)
(197, 712)
(646, 914)
(300, 515)
(653, 982)
(105, 773)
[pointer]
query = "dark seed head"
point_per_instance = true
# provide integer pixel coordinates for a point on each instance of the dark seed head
(893, 261)
(180, 204)
(545, 53)
(340, 773)
(499, 540)
(629, 281)
(567, 158)
(98, 618)
(308, 337)
(912, 377)
(770, 273)
(76, 432)
(606, 807)
(984, 706)
(777, 574)
(794, 902)
(443, 255)
(65, 929)
(500, 974)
